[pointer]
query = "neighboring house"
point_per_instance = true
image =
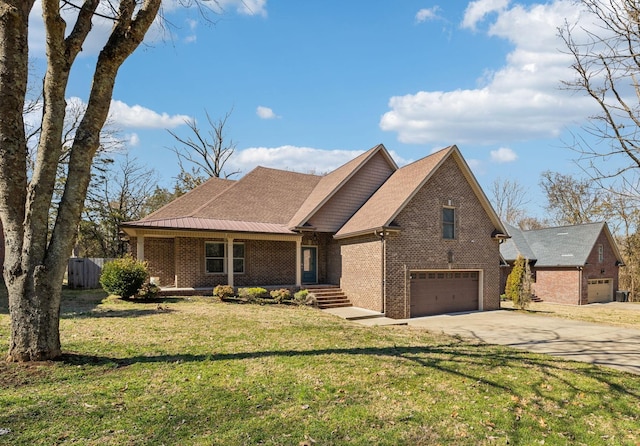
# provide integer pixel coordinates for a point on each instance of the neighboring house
(411, 241)
(571, 264)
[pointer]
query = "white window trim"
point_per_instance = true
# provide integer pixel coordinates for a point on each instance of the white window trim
(225, 259)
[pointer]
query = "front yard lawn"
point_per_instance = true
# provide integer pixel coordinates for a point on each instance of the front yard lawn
(200, 372)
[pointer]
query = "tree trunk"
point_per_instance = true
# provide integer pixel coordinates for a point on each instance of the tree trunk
(34, 305)
(34, 263)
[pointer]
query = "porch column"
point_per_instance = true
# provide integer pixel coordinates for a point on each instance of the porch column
(299, 262)
(140, 248)
(230, 261)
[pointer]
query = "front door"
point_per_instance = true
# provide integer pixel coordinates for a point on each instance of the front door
(309, 264)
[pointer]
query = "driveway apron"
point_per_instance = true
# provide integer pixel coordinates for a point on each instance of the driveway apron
(605, 345)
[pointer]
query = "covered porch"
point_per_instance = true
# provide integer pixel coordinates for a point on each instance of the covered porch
(196, 261)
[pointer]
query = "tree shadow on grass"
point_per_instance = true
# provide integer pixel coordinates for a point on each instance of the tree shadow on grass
(452, 358)
(128, 313)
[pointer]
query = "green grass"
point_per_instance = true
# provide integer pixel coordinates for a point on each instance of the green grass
(200, 372)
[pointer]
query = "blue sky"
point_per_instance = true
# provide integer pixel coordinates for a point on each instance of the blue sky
(312, 83)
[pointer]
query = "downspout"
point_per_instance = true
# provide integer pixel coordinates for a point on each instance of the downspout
(381, 234)
(581, 286)
(405, 289)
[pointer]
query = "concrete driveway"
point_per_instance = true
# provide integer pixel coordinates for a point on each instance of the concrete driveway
(609, 346)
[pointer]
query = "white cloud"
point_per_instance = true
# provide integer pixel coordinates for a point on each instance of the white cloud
(476, 11)
(101, 27)
(298, 159)
(265, 113)
(137, 116)
(427, 14)
(503, 155)
(244, 7)
(520, 101)
(133, 140)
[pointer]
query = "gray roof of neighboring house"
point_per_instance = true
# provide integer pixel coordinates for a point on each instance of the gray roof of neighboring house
(559, 246)
(516, 245)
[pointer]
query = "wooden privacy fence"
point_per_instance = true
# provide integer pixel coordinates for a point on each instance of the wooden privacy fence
(85, 272)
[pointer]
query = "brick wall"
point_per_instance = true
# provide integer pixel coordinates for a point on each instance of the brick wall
(266, 263)
(361, 277)
(420, 245)
(160, 254)
(594, 269)
(559, 285)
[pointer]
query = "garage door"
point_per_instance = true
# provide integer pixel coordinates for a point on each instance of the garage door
(443, 292)
(600, 290)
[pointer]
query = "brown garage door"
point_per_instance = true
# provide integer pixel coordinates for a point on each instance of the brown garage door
(443, 292)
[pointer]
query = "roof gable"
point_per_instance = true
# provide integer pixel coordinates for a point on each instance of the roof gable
(567, 246)
(392, 197)
(331, 184)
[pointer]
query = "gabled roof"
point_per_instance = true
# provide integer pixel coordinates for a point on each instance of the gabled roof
(391, 198)
(331, 183)
(186, 204)
(263, 201)
(567, 246)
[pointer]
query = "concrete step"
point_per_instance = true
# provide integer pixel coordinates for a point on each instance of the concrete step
(344, 304)
(329, 297)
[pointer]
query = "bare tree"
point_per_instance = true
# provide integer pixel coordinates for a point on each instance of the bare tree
(572, 201)
(116, 195)
(205, 153)
(607, 69)
(529, 223)
(509, 199)
(34, 258)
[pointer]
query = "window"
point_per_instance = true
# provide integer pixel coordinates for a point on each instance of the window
(600, 253)
(215, 256)
(448, 223)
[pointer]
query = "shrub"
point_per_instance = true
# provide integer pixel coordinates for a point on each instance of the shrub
(280, 295)
(303, 297)
(123, 277)
(223, 292)
(252, 294)
(518, 287)
(148, 291)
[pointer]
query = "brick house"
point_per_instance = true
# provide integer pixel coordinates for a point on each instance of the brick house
(571, 264)
(411, 241)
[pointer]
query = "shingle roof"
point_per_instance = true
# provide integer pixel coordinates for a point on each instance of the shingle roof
(263, 195)
(186, 204)
(516, 245)
(560, 246)
(380, 210)
(264, 200)
(332, 182)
